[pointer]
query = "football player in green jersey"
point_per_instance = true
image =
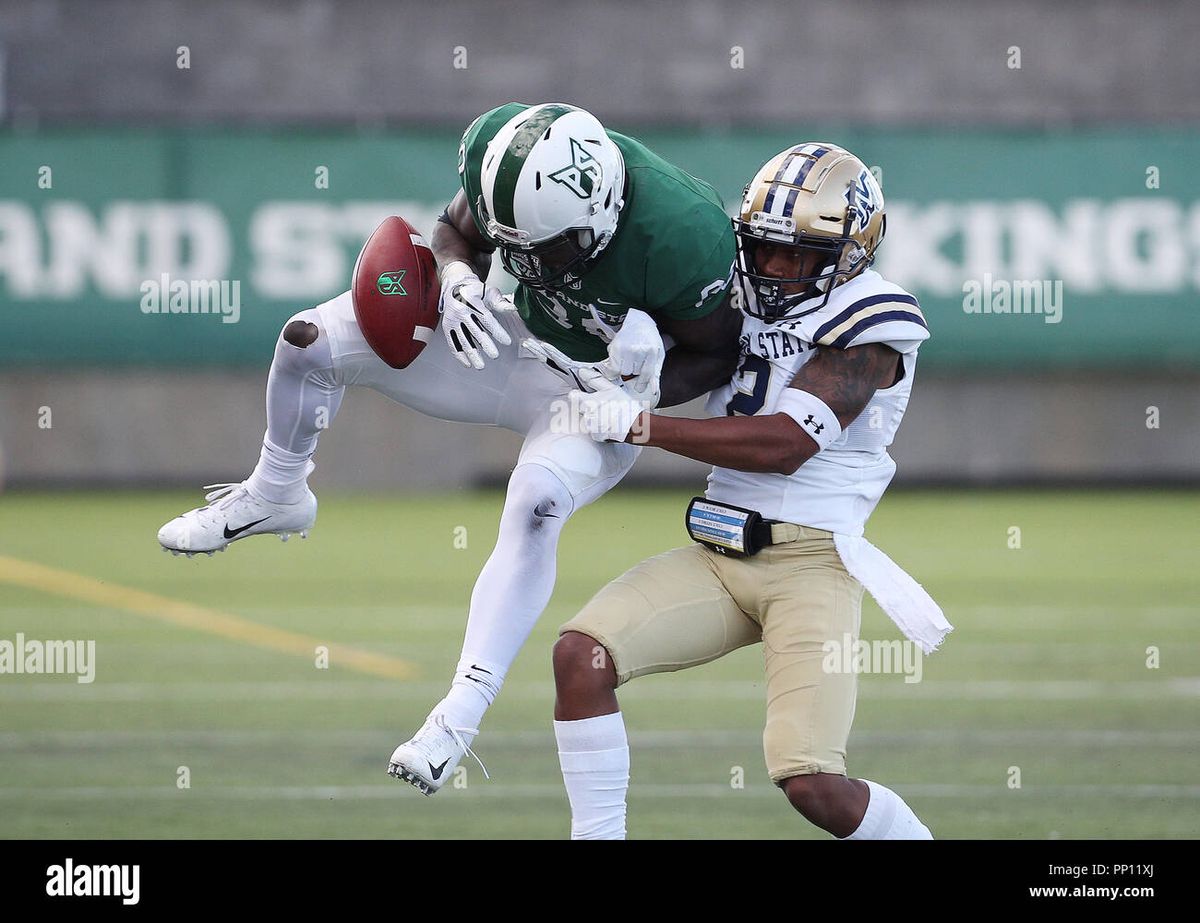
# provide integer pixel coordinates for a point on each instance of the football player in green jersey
(617, 253)
(620, 258)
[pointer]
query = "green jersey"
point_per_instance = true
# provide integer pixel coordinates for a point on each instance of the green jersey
(671, 255)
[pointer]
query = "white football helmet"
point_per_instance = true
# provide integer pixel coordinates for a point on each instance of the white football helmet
(553, 185)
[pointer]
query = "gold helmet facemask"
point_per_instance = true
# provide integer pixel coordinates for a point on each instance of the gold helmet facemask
(819, 201)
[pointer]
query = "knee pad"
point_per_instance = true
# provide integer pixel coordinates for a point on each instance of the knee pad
(537, 501)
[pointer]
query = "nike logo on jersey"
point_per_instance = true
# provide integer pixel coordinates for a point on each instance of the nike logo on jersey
(233, 533)
(436, 771)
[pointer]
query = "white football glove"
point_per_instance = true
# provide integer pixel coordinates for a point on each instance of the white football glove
(467, 315)
(605, 410)
(637, 350)
(558, 361)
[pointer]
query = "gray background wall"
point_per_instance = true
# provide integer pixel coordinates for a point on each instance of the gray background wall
(663, 61)
(192, 429)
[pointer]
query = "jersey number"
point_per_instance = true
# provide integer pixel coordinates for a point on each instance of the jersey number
(750, 386)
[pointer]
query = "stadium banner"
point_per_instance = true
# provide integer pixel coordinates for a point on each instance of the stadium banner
(184, 247)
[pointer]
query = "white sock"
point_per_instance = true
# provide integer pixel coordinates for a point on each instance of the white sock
(302, 400)
(280, 476)
(888, 818)
(476, 684)
(594, 756)
(512, 590)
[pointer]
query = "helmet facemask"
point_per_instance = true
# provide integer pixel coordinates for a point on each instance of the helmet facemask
(549, 264)
(824, 263)
(780, 296)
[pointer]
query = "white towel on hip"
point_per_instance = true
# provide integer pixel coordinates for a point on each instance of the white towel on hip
(899, 595)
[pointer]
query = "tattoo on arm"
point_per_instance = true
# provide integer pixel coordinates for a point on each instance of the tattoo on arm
(846, 379)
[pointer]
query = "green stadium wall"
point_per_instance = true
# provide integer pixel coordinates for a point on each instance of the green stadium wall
(90, 219)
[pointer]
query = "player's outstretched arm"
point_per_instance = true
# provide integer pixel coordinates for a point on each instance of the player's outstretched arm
(843, 380)
(705, 354)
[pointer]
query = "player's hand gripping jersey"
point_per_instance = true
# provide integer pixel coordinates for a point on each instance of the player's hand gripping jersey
(640, 267)
(838, 488)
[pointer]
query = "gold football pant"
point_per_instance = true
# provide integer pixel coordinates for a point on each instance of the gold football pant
(692, 605)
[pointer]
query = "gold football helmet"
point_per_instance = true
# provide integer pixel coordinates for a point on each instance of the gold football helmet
(823, 207)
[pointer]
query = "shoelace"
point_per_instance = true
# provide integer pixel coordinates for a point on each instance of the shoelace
(457, 733)
(217, 491)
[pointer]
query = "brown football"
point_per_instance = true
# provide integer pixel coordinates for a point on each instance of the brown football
(395, 292)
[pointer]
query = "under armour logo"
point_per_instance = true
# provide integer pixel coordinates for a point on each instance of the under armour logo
(816, 427)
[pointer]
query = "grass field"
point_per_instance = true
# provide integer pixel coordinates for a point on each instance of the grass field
(209, 664)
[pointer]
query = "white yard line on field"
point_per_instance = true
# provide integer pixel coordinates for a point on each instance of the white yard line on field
(325, 688)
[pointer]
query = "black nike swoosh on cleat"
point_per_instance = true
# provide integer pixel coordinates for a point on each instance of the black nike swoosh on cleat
(233, 533)
(475, 679)
(476, 666)
(436, 771)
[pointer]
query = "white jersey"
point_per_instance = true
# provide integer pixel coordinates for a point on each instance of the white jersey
(837, 489)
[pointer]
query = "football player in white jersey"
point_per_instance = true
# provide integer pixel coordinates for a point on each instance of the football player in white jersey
(799, 450)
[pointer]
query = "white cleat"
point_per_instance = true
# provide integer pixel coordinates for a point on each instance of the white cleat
(430, 757)
(233, 513)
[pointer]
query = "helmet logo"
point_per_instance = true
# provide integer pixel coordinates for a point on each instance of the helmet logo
(582, 175)
(861, 194)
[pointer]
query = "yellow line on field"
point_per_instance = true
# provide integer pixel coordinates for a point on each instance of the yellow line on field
(67, 583)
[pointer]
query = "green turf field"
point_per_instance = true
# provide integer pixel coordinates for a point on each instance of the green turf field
(1047, 671)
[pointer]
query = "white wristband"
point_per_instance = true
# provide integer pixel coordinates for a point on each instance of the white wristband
(813, 415)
